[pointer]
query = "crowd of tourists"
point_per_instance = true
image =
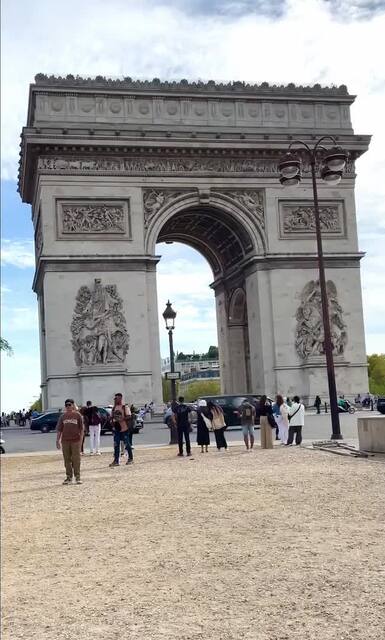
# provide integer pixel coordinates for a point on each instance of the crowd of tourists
(282, 420)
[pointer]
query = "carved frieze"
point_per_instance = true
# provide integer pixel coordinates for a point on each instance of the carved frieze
(93, 218)
(156, 200)
(38, 240)
(98, 328)
(309, 339)
(178, 164)
(297, 218)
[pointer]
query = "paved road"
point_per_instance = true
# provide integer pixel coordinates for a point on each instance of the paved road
(155, 433)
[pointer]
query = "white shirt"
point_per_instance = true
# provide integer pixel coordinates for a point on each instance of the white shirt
(299, 419)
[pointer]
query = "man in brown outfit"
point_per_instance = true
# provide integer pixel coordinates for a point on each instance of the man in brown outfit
(69, 437)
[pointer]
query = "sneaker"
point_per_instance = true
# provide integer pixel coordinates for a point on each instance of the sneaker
(130, 462)
(98, 453)
(78, 481)
(92, 453)
(180, 455)
(68, 481)
(189, 454)
(114, 464)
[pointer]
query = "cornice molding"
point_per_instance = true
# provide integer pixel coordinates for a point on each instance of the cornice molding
(73, 83)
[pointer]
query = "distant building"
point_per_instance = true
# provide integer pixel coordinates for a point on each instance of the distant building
(193, 368)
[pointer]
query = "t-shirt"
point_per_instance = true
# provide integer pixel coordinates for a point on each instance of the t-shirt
(181, 412)
(119, 413)
(70, 425)
(247, 413)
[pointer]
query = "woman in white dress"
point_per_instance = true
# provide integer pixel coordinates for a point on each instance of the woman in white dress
(282, 419)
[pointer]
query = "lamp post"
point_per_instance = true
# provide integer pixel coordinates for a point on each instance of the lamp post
(333, 164)
(169, 316)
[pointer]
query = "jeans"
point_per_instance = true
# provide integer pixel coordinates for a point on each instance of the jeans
(184, 430)
(297, 430)
(120, 436)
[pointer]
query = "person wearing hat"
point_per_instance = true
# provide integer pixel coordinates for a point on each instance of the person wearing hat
(203, 426)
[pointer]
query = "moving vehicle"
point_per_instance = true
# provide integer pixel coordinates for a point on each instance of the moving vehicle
(344, 406)
(231, 406)
(381, 405)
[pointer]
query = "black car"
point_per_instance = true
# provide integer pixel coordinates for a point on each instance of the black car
(46, 421)
(381, 405)
(231, 406)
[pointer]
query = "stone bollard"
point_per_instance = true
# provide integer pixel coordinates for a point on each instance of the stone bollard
(371, 434)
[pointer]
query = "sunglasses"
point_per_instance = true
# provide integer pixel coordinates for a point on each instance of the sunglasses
(68, 404)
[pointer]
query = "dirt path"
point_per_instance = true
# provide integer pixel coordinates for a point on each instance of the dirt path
(268, 545)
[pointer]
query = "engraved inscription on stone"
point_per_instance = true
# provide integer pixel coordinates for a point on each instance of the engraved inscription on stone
(93, 218)
(309, 338)
(98, 328)
(298, 218)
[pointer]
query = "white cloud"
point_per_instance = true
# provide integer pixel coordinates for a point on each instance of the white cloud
(18, 253)
(312, 41)
(19, 319)
(20, 382)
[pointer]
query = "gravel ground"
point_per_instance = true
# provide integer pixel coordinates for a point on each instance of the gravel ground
(267, 545)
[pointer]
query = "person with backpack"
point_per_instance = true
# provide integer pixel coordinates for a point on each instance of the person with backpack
(247, 422)
(182, 417)
(121, 415)
(94, 427)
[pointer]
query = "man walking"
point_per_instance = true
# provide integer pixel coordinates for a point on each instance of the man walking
(297, 421)
(181, 412)
(120, 417)
(69, 438)
(247, 422)
(94, 427)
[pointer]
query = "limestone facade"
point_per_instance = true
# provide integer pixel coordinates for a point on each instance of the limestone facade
(113, 167)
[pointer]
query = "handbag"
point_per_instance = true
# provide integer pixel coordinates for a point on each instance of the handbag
(207, 422)
(271, 421)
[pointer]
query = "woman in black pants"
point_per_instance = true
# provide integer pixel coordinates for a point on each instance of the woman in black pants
(219, 425)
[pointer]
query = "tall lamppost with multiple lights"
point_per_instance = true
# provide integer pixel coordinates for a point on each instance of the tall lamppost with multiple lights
(332, 161)
(169, 316)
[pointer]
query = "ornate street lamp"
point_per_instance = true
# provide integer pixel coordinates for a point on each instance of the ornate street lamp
(333, 162)
(169, 316)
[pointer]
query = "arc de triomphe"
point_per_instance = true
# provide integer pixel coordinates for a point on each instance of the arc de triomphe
(111, 167)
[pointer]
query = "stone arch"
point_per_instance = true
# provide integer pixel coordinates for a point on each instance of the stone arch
(238, 307)
(222, 231)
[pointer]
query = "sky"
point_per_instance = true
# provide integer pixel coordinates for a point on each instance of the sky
(278, 41)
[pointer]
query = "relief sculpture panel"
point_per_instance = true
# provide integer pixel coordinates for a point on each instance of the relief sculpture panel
(92, 218)
(297, 218)
(98, 328)
(309, 339)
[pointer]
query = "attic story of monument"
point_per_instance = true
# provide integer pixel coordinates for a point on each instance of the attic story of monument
(113, 167)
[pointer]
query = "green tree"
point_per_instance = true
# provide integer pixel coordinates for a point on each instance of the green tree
(5, 346)
(37, 405)
(212, 353)
(376, 373)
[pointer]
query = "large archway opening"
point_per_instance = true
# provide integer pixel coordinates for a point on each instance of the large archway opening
(203, 251)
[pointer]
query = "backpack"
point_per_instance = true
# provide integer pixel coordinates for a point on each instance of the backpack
(247, 411)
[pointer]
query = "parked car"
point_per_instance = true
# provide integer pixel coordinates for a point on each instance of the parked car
(46, 422)
(2, 444)
(381, 405)
(231, 406)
